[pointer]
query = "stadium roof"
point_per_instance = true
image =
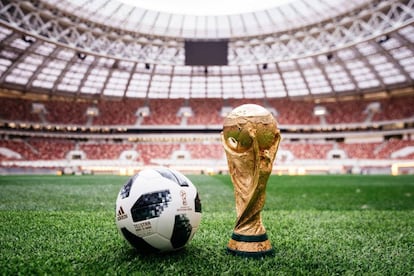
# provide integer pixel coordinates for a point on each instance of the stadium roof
(207, 19)
(298, 48)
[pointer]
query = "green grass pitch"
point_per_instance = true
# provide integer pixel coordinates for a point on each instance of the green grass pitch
(317, 225)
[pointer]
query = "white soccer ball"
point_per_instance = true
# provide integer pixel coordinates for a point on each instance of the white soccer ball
(158, 210)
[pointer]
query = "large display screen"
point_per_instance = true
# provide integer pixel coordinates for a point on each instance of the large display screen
(206, 52)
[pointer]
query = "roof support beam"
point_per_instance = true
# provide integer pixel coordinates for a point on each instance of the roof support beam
(282, 79)
(46, 61)
(325, 75)
(63, 73)
(131, 74)
(87, 73)
(371, 68)
(26, 52)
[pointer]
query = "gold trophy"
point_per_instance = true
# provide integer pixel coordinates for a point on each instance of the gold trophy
(250, 138)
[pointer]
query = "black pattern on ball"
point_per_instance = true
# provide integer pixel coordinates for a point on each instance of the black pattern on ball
(172, 176)
(181, 232)
(150, 205)
(139, 243)
(127, 187)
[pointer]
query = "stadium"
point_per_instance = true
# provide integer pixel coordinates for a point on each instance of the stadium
(92, 92)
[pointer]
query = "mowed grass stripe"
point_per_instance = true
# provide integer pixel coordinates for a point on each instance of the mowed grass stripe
(66, 225)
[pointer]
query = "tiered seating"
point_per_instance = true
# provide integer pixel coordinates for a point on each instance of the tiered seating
(205, 151)
(50, 149)
(66, 112)
(164, 112)
(117, 112)
(360, 150)
(345, 112)
(149, 151)
(206, 112)
(394, 145)
(14, 145)
(294, 113)
(57, 149)
(17, 110)
(237, 102)
(396, 108)
(39, 149)
(96, 151)
(307, 150)
(376, 150)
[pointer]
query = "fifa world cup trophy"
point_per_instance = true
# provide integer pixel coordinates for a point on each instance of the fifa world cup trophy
(250, 139)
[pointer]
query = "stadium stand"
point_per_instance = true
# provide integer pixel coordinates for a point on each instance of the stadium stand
(206, 111)
(91, 94)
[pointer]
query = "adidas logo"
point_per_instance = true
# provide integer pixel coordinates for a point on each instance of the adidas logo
(121, 214)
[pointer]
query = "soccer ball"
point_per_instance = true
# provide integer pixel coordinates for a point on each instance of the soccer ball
(158, 210)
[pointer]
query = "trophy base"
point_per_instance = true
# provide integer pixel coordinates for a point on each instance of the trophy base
(251, 246)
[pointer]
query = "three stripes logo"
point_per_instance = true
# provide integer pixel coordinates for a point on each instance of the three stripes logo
(121, 214)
